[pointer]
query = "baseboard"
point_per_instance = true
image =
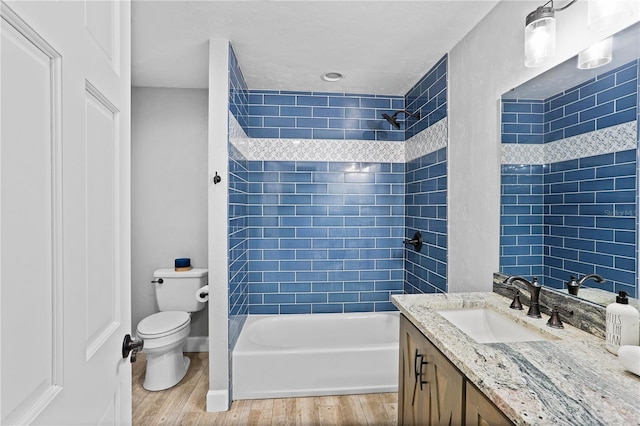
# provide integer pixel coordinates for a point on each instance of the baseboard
(217, 400)
(197, 344)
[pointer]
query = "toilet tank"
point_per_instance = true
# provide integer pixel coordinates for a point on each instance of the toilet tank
(177, 292)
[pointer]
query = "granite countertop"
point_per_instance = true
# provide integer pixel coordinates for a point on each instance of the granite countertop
(570, 379)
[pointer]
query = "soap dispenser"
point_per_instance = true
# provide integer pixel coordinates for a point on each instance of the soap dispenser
(622, 323)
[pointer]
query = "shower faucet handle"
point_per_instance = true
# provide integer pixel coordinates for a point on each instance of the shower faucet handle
(416, 242)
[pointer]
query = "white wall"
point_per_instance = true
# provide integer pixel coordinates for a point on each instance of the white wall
(488, 62)
(218, 396)
(169, 190)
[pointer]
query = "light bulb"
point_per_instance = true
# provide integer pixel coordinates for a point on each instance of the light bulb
(597, 55)
(602, 13)
(539, 37)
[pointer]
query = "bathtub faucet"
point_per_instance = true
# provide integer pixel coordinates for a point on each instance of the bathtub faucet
(534, 288)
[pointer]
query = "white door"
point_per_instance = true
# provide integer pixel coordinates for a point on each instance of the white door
(64, 212)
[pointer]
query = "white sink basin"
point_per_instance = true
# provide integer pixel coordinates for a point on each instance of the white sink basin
(486, 326)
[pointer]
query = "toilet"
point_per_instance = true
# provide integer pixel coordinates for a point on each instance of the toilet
(165, 333)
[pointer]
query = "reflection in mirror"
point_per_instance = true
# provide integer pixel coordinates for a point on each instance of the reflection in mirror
(569, 173)
(601, 297)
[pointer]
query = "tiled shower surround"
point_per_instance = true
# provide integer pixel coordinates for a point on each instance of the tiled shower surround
(323, 191)
(325, 236)
(569, 173)
(303, 115)
(238, 223)
(426, 211)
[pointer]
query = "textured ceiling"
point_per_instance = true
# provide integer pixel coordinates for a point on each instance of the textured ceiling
(381, 47)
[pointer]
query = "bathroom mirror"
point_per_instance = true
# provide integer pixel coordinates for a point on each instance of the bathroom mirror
(568, 174)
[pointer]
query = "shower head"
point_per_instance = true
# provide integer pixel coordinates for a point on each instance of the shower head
(392, 118)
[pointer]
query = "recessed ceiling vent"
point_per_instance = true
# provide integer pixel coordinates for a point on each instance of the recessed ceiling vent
(332, 76)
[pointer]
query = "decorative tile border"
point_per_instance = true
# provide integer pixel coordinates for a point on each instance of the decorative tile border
(326, 150)
(512, 153)
(268, 149)
(611, 139)
(239, 141)
(429, 140)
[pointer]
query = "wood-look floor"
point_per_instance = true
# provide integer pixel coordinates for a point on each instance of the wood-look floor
(184, 404)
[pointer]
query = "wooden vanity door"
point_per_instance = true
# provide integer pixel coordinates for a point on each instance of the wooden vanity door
(480, 411)
(413, 399)
(446, 386)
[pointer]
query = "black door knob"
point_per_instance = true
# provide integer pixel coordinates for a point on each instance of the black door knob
(130, 345)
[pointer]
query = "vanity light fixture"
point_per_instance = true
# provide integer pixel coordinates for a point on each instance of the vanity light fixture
(597, 55)
(602, 13)
(539, 37)
(540, 34)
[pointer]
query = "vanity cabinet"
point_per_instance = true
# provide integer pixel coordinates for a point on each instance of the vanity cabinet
(480, 411)
(431, 390)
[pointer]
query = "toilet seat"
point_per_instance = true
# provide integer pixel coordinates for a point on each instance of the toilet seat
(162, 324)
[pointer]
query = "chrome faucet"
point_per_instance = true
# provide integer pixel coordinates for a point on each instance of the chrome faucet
(574, 285)
(534, 288)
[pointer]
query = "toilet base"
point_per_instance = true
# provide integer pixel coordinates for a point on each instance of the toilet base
(165, 370)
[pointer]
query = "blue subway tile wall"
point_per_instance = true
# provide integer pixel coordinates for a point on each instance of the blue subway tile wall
(426, 211)
(238, 209)
(429, 98)
(426, 188)
(325, 236)
(591, 223)
(603, 101)
(521, 220)
(637, 180)
(522, 121)
(313, 115)
(574, 217)
(238, 91)
(584, 209)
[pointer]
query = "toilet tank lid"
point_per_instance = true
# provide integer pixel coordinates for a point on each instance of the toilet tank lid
(172, 273)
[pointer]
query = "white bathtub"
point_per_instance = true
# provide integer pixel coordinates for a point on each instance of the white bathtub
(309, 355)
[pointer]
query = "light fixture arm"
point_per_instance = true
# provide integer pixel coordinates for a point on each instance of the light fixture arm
(552, 8)
(560, 9)
(557, 9)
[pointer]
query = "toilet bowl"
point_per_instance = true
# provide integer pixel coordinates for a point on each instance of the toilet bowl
(165, 333)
